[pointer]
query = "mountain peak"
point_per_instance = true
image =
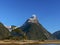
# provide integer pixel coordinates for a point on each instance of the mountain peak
(35, 31)
(33, 19)
(34, 16)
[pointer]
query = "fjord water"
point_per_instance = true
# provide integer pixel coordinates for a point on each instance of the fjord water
(29, 44)
(49, 44)
(41, 44)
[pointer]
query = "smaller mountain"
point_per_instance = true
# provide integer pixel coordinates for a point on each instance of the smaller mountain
(4, 32)
(12, 27)
(17, 34)
(57, 34)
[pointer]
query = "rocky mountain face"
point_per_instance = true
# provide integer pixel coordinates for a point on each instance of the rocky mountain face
(4, 32)
(57, 34)
(35, 31)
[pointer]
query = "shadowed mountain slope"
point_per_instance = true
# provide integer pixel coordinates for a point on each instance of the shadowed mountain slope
(4, 32)
(57, 34)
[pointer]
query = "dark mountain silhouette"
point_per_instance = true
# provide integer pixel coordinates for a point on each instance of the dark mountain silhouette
(57, 34)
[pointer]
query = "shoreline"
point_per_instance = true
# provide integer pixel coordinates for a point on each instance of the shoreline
(29, 42)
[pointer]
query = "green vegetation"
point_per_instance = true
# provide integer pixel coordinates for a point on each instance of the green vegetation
(18, 34)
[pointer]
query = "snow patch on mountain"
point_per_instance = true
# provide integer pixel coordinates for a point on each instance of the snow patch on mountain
(9, 28)
(33, 19)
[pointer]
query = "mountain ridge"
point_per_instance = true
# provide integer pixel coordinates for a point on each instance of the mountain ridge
(30, 30)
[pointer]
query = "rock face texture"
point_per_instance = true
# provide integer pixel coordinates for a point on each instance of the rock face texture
(35, 31)
(4, 32)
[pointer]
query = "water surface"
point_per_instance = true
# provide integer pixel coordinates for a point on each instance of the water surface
(41, 44)
(30, 44)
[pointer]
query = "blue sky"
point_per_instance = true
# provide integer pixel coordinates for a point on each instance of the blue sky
(16, 12)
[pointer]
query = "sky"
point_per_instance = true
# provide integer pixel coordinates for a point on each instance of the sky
(16, 12)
